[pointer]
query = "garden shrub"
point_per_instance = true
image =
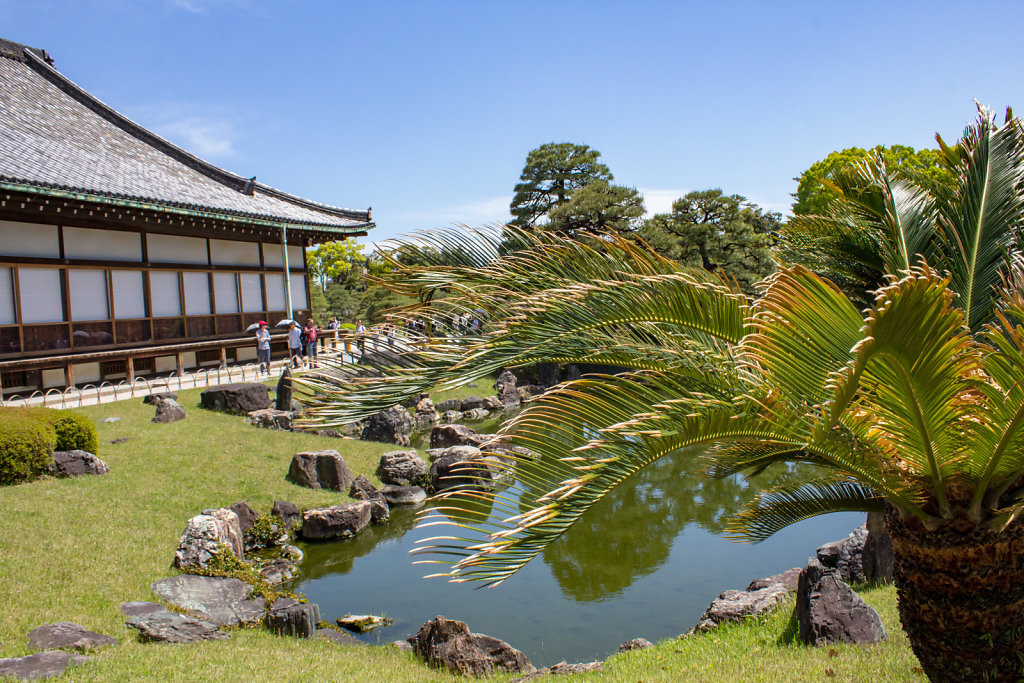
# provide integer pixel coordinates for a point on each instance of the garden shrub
(26, 444)
(74, 431)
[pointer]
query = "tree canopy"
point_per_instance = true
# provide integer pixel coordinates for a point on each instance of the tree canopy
(924, 167)
(552, 173)
(716, 232)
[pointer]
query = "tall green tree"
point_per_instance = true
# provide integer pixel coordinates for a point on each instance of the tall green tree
(341, 261)
(595, 208)
(552, 173)
(717, 232)
(814, 191)
(914, 406)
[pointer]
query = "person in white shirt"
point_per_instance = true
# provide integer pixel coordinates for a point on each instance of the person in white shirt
(263, 347)
(295, 344)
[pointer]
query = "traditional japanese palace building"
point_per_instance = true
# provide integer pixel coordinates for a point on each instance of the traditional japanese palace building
(122, 255)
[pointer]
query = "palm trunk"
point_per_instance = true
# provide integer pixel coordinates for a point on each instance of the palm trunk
(961, 599)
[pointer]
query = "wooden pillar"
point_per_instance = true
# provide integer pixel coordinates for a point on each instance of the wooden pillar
(129, 365)
(69, 375)
(223, 357)
(180, 362)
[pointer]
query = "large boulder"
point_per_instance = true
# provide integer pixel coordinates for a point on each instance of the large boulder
(288, 512)
(467, 466)
(271, 418)
(505, 387)
(40, 665)
(237, 399)
(205, 535)
(337, 521)
(877, 558)
(362, 489)
(443, 436)
(425, 413)
(321, 470)
(76, 463)
(403, 495)
(449, 644)
(393, 425)
(246, 515)
(164, 626)
(402, 468)
(65, 635)
(168, 410)
(289, 617)
(846, 555)
(471, 403)
(735, 605)
(474, 414)
(221, 601)
(828, 611)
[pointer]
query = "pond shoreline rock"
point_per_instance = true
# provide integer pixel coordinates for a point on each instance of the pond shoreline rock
(321, 470)
(393, 425)
(829, 611)
(402, 468)
(337, 521)
(218, 600)
(446, 643)
(165, 626)
(362, 489)
(205, 535)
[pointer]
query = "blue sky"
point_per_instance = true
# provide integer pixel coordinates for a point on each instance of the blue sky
(426, 110)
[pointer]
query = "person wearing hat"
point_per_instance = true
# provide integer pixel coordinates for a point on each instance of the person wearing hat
(263, 346)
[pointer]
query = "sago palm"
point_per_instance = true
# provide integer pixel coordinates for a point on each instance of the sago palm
(914, 407)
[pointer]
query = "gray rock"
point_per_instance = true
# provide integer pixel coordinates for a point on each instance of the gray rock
(65, 635)
(246, 514)
(448, 644)
(467, 466)
(447, 435)
(735, 605)
(492, 403)
(403, 495)
(76, 464)
(39, 665)
(393, 425)
(451, 405)
(471, 403)
(474, 414)
(362, 489)
(338, 638)
(451, 416)
(120, 439)
(363, 623)
(168, 410)
(877, 558)
(402, 645)
(293, 554)
(321, 470)
(337, 521)
(109, 420)
(828, 611)
(788, 579)
(288, 512)
(137, 609)
(505, 386)
(283, 393)
(635, 644)
(271, 418)
(425, 413)
(278, 571)
(169, 627)
(846, 555)
(237, 399)
(219, 600)
(204, 536)
(402, 468)
(289, 617)
(152, 399)
(560, 669)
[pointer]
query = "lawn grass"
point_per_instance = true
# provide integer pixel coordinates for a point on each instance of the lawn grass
(74, 549)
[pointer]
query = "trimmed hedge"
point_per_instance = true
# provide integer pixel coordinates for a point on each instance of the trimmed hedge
(29, 436)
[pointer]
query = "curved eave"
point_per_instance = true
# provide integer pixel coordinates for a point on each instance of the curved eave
(192, 212)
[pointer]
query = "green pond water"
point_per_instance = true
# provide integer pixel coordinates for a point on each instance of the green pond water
(644, 562)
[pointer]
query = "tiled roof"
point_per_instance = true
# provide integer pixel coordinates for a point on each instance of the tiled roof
(56, 136)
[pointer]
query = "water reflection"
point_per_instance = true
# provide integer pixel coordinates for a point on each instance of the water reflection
(338, 557)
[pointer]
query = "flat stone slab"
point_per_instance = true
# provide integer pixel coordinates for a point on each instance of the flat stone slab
(169, 627)
(219, 600)
(40, 665)
(66, 635)
(137, 609)
(403, 495)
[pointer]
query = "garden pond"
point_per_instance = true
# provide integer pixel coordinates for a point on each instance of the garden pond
(644, 562)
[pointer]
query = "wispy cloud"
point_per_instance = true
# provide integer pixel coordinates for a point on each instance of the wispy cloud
(659, 201)
(477, 212)
(210, 134)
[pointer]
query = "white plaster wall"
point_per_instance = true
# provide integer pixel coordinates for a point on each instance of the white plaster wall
(29, 239)
(102, 245)
(86, 372)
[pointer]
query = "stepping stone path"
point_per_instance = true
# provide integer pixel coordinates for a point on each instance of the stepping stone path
(39, 665)
(65, 635)
(165, 626)
(76, 464)
(221, 601)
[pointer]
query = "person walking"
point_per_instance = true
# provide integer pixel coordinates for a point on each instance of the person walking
(360, 336)
(263, 347)
(294, 344)
(312, 333)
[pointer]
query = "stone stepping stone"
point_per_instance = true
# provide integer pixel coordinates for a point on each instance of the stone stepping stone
(138, 609)
(403, 495)
(219, 600)
(65, 635)
(169, 627)
(40, 665)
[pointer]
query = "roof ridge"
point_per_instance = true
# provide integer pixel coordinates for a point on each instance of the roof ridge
(16, 51)
(40, 62)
